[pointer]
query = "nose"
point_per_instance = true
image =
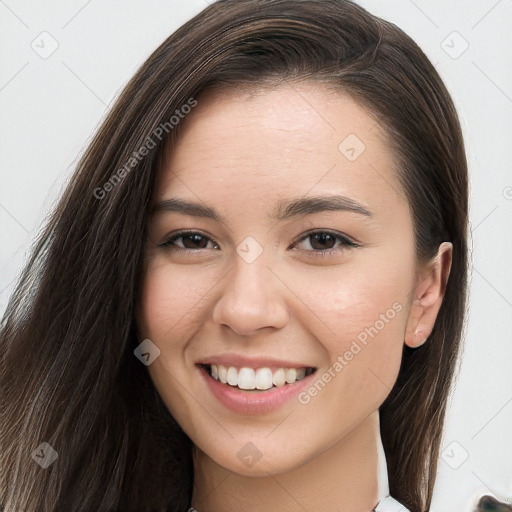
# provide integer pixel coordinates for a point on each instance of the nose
(253, 298)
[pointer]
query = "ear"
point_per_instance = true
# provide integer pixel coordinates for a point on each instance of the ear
(429, 293)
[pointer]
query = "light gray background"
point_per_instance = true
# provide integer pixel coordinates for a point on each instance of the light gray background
(51, 106)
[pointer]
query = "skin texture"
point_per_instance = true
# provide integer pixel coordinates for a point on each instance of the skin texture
(241, 152)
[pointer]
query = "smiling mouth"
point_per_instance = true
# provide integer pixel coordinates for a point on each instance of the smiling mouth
(260, 379)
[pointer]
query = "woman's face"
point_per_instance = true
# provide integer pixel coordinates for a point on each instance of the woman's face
(274, 283)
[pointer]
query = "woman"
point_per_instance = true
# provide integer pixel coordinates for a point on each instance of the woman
(262, 366)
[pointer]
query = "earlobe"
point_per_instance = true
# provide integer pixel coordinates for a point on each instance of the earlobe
(429, 293)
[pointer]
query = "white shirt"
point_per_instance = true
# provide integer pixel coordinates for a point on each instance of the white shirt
(386, 502)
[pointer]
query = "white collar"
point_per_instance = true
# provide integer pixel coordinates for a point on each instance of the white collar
(386, 502)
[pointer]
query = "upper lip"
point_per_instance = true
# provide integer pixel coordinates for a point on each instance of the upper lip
(240, 361)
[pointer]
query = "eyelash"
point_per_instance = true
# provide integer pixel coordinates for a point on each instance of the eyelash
(169, 242)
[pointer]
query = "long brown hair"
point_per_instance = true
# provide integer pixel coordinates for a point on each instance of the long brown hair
(68, 373)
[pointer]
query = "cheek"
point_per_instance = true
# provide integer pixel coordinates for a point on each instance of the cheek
(358, 302)
(363, 313)
(364, 361)
(169, 305)
(166, 316)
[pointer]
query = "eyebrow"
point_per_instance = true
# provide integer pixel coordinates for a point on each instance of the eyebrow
(286, 209)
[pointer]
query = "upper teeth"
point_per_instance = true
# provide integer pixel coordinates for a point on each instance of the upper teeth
(262, 378)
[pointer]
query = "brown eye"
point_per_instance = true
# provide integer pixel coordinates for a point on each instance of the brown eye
(323, 242)
(190, 241)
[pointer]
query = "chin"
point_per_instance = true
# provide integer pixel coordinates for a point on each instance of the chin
(273, 465)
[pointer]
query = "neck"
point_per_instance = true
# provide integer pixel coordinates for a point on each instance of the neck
(343, 477)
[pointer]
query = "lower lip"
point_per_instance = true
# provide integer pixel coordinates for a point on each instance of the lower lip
(259, 402)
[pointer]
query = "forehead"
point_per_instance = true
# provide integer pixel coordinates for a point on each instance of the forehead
(271, 143)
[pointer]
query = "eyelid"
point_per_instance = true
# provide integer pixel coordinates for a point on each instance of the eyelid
(184, 232)
(346, 241)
